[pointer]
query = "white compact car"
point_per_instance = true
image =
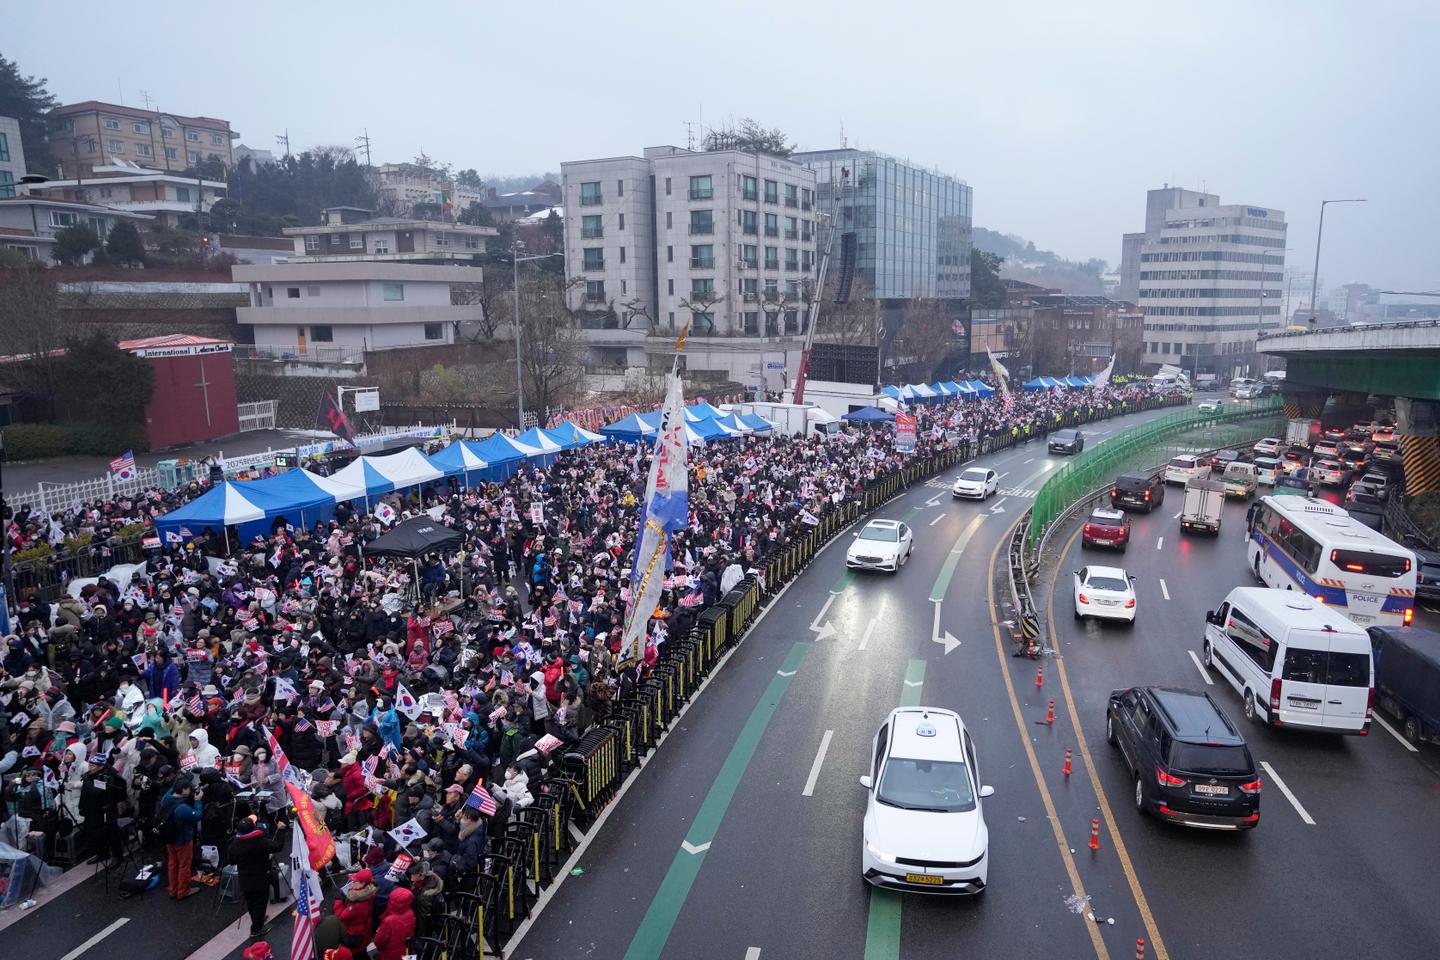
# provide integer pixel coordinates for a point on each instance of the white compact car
(924, 821)
(1104, 593)
(1268, 447)
(1208, 406)
(881, 545)
(977, 483)
(1186, 467)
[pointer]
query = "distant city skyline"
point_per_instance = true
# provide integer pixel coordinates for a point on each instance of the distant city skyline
(1059, 116)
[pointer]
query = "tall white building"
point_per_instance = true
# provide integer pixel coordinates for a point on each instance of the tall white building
(725, 240)
(1210, 278)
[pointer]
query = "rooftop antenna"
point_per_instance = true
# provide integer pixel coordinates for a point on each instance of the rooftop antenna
(121, 88)
(146, 99)
(843, 144)
(690, 134)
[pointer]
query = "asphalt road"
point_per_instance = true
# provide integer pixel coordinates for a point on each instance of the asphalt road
(1359, 881)
(774, 873)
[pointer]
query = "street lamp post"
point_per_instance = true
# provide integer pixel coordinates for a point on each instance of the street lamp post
(515, 261)
(1260, 317)
(1320, 233)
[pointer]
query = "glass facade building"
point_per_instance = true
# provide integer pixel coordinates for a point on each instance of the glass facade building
(912, 226)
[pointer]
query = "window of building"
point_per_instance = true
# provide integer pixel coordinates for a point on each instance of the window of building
(792, 289)
(704, 322)
(472, 242)
(669, 220)
(440, 238)
(807, 197)
(182, 194)
(322, 334)
(748, 188)
(143, 149)
(702, 288)
(140, 126)
(792, 230)
(792, 195)
(805, 230)
(667, 186)
(624, 288)
(792, 259)
(772, 191)
(171, 153)
(217, 140)
(393, 291)
(669, 254)
(619, 188)
(381, 245)
(111, 123)
(751, 319)
(750, 288)
(357, 241)
(592, 227)
(192, 136)
(593, 258)
(192, 156)
(702, 256)
(805, 260)
(292, 293)
(115, 146)
(99, 226)
(622, 254)
(772, 258)
(7, 183)
(334, 239)
(434, 331)
(63, 218)
(772, 225)
(167, 132)
(594, 291)
(620, 221)
(670, 287)
(4, 147)
(672, 319)
(792, 321)
(590, 195)
(702, 222)
(702, 188)
(312, 241)
(312, 290)
(748, 222)
(772, 289)
(749, 256)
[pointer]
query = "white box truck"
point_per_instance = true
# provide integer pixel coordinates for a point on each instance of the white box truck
(1204, 504)
(1302, 433)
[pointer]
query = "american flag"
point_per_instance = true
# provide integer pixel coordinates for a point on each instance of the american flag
(480, 798)
(196, 703)
(307, 900)
(123, 466)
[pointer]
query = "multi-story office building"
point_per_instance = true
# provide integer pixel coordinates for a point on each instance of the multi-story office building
(724, 240)
(90, 134)
(12, 156)
(1209, 279)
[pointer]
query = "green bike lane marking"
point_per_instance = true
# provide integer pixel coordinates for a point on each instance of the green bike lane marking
(659, 919)
(952, 560)
(882, 930)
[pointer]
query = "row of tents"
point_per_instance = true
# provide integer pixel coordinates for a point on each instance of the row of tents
(304, 498)
(974, 389)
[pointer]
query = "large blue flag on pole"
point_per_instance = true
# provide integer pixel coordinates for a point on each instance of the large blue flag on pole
(666, 510)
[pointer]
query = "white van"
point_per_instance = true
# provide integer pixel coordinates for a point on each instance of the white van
(1295, 661)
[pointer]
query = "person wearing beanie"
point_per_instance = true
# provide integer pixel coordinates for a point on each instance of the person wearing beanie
(355, 909)
(250, 851)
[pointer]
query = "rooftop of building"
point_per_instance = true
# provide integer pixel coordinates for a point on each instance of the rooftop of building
(390, 223)
(89, 106)
(847, 153)
(123, 171)
(71, 205)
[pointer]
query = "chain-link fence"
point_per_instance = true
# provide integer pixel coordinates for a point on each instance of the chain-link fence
(1143, 448)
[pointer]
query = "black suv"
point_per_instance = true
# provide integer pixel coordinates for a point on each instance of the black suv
(1068, 440)
(1140, 490)
(1188, 763)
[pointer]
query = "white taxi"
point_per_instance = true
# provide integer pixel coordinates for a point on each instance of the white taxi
(924, 827)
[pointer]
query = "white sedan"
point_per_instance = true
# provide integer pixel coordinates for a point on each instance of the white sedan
(977, 483)
(924, 825)
(1208, 406)
(1104, 593)
(881, 545)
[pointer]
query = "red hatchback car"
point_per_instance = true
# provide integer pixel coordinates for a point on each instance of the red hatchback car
(1106, 528)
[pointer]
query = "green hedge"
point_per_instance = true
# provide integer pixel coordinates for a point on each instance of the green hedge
(1424, 509)
(42, 441)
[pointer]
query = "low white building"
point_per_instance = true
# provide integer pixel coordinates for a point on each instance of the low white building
(338, 310)
(29, 224)
(167, 197)
(354, 233)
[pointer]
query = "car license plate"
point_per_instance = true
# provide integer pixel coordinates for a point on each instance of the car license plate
(1304, 704)
(1361, 618)
(924, 878)
(1105, 541)
(1213, 791)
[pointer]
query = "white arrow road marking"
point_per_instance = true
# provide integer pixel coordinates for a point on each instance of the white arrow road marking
(693, 848)
(752, 953)
(1164, 590)
(1205, 674)
(999, 505)
(786, 673)
(869, 631)
(823, 631)
(933, 501)
(914, 683)
(1288, 795)
(947, 639)
(809, 790)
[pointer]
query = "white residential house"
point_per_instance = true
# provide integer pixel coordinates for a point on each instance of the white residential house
(29, 224)
(166, 197)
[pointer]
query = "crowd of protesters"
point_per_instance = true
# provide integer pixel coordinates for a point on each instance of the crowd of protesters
(175, 701)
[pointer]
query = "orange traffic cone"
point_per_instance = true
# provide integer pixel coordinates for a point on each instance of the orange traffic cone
(1094, 834)
(1050, 712)
(1066, 771)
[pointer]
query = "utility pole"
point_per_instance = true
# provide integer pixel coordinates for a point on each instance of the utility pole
(284, 140)
(364, 141)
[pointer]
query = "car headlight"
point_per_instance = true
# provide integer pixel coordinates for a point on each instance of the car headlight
(880, 855)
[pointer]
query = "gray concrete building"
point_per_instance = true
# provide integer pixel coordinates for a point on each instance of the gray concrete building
(12, 156)
(724, 240)
(1209, 277)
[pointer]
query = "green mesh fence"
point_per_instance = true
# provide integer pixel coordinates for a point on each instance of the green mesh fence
(1188, 431)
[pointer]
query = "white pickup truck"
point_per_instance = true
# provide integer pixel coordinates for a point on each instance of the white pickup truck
(1204, 504)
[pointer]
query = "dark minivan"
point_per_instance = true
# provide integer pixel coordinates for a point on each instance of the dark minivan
(1142, 491)
(1188, 762)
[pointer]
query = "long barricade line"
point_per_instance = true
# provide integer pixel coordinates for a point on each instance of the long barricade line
(530, 855)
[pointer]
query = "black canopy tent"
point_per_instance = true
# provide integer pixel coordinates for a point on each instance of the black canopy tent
(411, 538)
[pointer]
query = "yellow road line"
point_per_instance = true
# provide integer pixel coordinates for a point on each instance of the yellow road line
(1060, 842)
(1157, 945)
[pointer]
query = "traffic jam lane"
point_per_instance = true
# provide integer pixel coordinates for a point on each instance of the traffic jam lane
(1342, 801)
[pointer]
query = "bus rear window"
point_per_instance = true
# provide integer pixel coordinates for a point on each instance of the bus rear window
(1371, 564)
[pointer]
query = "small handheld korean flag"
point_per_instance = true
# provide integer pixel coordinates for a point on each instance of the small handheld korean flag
(408, 832)
(405, 701)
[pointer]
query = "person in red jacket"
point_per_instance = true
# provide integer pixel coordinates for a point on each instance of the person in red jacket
(354, 909)
(358, 800)
(553, 672)
(396, 925)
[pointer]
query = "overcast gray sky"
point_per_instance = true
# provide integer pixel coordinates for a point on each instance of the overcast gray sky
(1060, 115)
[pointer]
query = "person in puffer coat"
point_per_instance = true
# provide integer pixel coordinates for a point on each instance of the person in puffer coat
(355, 909)
(396, 926)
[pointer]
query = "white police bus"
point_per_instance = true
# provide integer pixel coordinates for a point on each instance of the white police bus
(1301, 543)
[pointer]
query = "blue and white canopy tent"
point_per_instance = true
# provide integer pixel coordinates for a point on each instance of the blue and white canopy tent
(572, 435)
(462, 459)
(633, 428)
(222, 506)
(756, 422)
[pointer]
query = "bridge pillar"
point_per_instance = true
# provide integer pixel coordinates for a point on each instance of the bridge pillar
(1418, 423)
(1303, 402)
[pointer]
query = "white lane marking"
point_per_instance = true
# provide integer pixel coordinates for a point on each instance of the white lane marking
(96, 939)
(1028, 462)
(824, 630)
(1201, 667)
(752, 953)
(809, 790)
(1396, 734)
(938, 518)
(1002, 476)
(1288, 795)
(999, 505)
(914, 683)
(785, 673)
(1177, 516)
(869, 630)
(1159, 543)
(1164, 590)
(694, 848)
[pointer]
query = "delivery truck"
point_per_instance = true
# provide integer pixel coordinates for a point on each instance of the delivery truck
(1203, 506)
(1407, 679)
(1302, 433)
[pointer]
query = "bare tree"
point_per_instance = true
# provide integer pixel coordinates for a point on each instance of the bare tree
(632, 308)
(924, 338)
(853, 323)
(552, 351)
(32, 326)
(702, 305)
